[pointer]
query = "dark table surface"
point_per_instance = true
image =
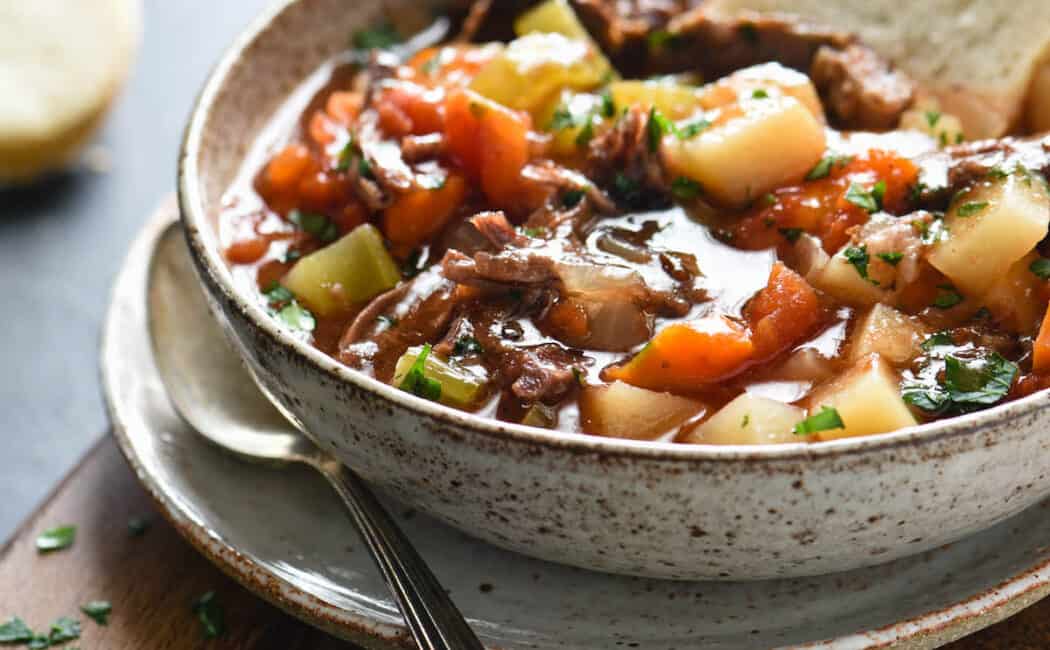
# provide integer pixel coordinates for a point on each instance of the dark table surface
(62, 241)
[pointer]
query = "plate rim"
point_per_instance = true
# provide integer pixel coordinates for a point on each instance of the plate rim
(927, 630)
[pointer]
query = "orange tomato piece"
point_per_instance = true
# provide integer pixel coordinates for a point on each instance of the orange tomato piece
(783, 313)
(1041, 347)
(684, 356)
(416, 215)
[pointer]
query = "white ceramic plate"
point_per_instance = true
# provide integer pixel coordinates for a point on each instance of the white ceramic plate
(283, 535)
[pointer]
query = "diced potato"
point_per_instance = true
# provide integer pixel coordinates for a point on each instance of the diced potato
(676, 101)
(534, 68)
(348, 271)
(841, 279)
(896, 337)
(771, 78)
(867, 399)
(582, 107)
(619, 410)
(461, 386)
(750, 420)
(762, 144)
(1016, 300)
(990, 227)
(558, 17)
(927, 117)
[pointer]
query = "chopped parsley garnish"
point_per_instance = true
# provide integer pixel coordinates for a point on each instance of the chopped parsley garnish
(562, 119)
(791, 234)
(692, 129)
(98, 611)
(867, 200)
(389, 321)
(932, 117)
(572, 198)
(892, 258)
(364, 168)
(759, 93)
(534, 232)
(823, 168)
(827, 418)
(379, 37)
(859, 258)
(417, 383)
(659, 39)
(971, 208)
(745, 421)
(346, 155)
(749, 32)
(685, 189)
(586, 133)
(62, 630)
(657, 127)
(878, 192)
(915, 191)
(626, 189)
(297, 317)
(608, 108)
(996, 173)
(466, 345)
(137, 526)
(317, 225)
(967, 384)
(770, 199)
(15, 631)
(56, 539)
(947, 297)
(1041, 267)
(283, 305)
(939, 339)
(432, 65)
(210, 614)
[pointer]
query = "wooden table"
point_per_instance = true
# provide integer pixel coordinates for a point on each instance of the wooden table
(153, 579)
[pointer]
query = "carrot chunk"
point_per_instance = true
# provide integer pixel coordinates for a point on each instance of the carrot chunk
(783, 313)
(684, 356)
(416, 215)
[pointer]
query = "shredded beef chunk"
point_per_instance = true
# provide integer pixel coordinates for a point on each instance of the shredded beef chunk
(944, 172)
(859, 88)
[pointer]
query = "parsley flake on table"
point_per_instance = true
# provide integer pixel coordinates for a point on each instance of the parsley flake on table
(827, 418)
(14, 631)
(98, 611)
(210, 614)
(62, 630)
(56, 539)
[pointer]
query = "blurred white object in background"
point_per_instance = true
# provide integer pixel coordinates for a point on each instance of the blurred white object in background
(62, 62)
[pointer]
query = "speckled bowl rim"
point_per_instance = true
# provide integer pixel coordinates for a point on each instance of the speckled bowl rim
(211, 263)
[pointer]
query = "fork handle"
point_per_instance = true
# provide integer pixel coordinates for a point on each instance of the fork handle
(434, 620)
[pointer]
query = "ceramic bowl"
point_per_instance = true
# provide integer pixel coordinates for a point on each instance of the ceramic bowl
(652, 509)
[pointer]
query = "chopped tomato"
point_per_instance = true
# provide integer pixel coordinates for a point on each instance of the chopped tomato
(820, 206)
(684, 356)
(420, 213)
(783, 313)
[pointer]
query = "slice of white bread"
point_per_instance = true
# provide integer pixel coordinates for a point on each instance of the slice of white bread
(978, 58)
(61, 64)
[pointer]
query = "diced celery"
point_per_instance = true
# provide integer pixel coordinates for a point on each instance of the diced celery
(348, 271)
(675, 100)
(541, 415)
(535, 67)
(460, 385)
